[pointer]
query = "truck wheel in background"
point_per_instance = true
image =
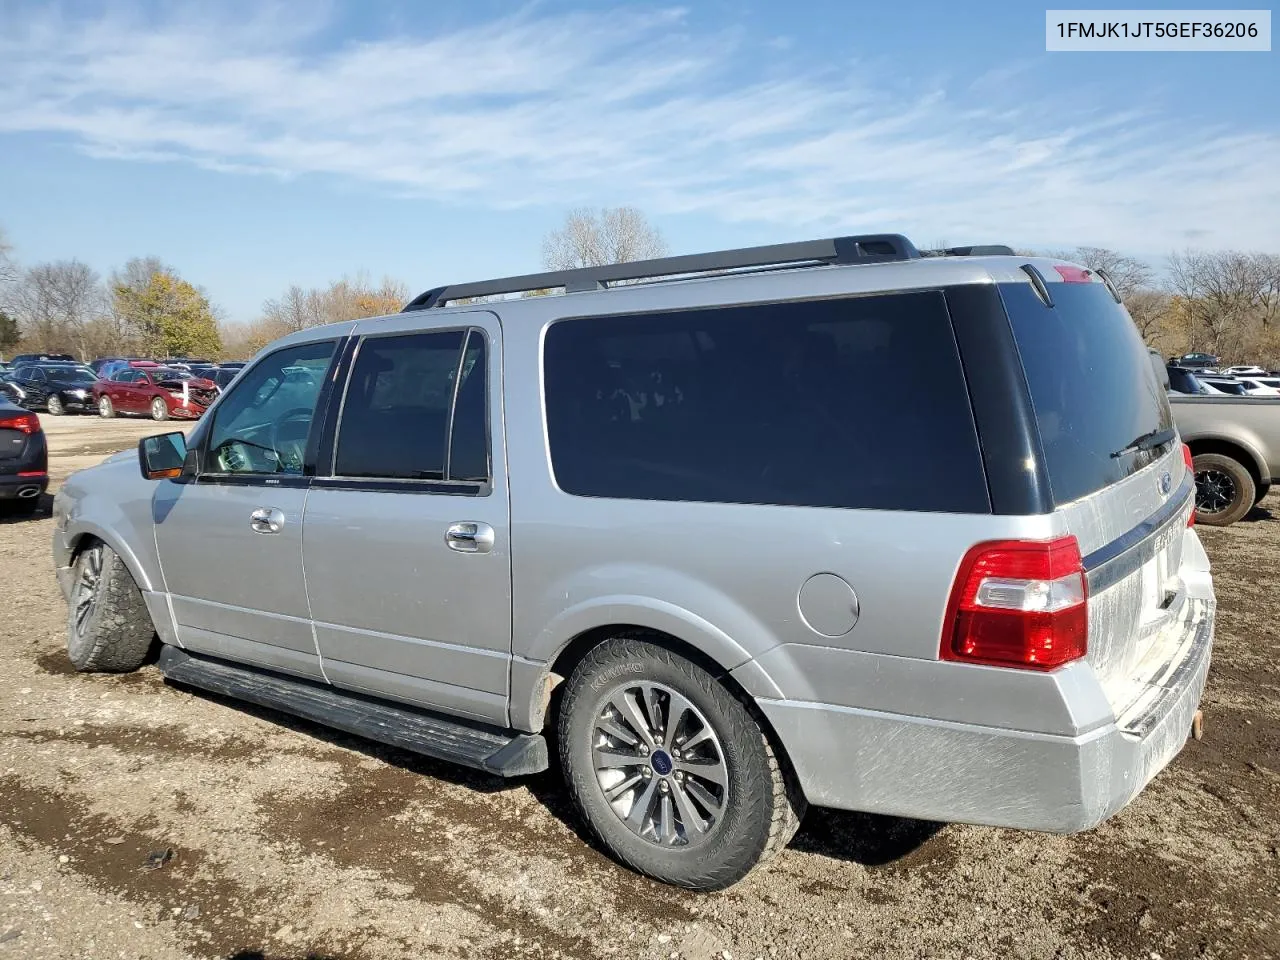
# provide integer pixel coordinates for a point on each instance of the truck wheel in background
(1225, 490)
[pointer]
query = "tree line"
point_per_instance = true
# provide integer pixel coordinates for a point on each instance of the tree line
(1225, 303)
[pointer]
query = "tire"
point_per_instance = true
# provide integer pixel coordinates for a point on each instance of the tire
(108, 627)
(1225, 489)
(55, 406)
(159, 409)
(1261, 493)
(750, 818)
(106, 409)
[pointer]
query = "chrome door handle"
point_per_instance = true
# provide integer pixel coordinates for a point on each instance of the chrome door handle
(266, 520)
(469, 537)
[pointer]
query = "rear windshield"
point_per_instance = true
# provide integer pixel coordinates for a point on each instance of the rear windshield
(1092, 385)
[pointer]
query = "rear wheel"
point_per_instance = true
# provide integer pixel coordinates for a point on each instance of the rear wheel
(1225, 490)
(159, 409)
(669, 768)
(108, 626)
(55, 405)
(106, 408)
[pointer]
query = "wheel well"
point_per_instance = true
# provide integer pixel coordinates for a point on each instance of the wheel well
(1236, 452)
(577, 648)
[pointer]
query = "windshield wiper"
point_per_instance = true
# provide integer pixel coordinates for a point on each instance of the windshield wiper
(1148, 441)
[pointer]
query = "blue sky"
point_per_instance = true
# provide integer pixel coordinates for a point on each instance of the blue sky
(258, 145)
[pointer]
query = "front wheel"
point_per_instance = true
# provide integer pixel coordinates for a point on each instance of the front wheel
(669, 768)
(106, 409)
(55, 406)
(108, 626)
(1225, 490)
(159, 409)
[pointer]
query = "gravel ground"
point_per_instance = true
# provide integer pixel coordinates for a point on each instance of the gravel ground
(286, 841)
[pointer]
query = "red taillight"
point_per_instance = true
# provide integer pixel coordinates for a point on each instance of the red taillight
(1019, 603)
(1191, 469)
(23, 423)
(1074, 274)
(31, 473)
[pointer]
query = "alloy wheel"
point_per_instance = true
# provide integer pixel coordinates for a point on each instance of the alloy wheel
(1215, 491)
(660, 764)
(85, 593)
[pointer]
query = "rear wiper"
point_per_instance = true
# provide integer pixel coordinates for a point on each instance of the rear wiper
(1148, 441)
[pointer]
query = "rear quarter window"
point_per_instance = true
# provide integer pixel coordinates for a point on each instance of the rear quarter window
(798, 403)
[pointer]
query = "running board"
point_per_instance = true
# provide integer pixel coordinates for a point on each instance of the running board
(479, 746)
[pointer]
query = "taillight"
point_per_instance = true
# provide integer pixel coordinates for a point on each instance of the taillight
(1191, 469)
(22, 422)
(1019, 603)
(1073, 274)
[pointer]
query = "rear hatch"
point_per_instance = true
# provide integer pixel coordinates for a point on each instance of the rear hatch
(1116, 470)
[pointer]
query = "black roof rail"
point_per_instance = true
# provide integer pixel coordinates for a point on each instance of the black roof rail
(872, 248)
(979, 250)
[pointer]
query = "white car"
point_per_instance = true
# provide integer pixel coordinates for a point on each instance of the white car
(1256, 388)
(1245, 371)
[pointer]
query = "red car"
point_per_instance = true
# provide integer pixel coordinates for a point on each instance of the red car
(161, 392)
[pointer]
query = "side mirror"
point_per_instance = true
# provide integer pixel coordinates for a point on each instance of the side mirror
(161, 457)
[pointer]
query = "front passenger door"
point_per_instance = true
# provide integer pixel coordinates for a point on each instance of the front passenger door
(230, 543)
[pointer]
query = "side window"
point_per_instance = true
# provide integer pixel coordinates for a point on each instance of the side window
(791, 403)
(262, 425)
(398, 416)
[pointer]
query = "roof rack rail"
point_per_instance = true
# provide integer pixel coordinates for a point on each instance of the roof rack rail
(872, 248)
(980, 250)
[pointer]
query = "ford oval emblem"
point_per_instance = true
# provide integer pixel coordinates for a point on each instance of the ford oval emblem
(1166, 483)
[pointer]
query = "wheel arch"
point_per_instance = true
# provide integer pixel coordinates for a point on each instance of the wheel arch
(1236, 450)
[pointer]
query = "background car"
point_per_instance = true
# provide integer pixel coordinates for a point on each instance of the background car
(1222, 384)
(1182, 380)
(56, 387)
(1245, 371)
(161, 392)
(112, 367)
(24, 458)
(1256, 388)
(42, 358)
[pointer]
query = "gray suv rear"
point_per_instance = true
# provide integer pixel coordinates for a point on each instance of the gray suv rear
(682, 523)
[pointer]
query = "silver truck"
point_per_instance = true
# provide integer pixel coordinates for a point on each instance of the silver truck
(681, 525)
(1235, 442)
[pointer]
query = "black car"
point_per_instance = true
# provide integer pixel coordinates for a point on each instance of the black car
(24, 458)
(57, 387)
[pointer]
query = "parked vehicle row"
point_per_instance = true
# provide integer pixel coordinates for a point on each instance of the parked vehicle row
(692, 526)
(119, 387)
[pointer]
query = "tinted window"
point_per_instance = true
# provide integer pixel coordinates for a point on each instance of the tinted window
(396, 414)
(1092, 386)
(263, 423)
(797, 403)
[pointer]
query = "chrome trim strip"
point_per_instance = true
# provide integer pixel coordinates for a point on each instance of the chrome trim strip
(1114, 561)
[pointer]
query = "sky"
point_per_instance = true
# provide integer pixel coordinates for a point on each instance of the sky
(257, 145)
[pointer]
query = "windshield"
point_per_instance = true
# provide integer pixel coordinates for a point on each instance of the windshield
(71, 374)
(1093, 388)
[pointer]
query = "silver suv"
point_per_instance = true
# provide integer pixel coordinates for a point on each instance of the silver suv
(682, 523)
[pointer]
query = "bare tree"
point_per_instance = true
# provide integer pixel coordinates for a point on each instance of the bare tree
(1149, 310)
(9, 272)
(591, 238)
(58, 304)
(1231, 297)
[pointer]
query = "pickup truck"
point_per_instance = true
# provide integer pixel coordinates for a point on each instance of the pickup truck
(1235, 448)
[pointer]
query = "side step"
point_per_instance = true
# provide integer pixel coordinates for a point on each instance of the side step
(478, 746)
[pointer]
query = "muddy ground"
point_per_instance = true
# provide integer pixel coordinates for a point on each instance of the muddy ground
(285, 841)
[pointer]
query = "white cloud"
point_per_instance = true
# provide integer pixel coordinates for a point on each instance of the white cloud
(627, 106)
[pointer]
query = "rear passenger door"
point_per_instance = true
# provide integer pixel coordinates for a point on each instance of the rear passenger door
(406, 542)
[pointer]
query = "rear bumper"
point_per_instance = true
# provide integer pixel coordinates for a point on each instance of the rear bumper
(22, 488)
(879, 762)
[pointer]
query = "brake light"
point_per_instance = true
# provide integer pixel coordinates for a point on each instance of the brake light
(23, 422)
(1019, 603)
(1073, 274)
(1191, 469)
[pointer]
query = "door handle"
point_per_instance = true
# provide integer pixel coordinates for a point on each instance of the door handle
(468, 537)
(266, 520)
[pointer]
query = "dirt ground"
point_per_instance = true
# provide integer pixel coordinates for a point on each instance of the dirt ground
(290, 842)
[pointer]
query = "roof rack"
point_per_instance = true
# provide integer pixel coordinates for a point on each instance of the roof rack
(981, 250)
(872, 248)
